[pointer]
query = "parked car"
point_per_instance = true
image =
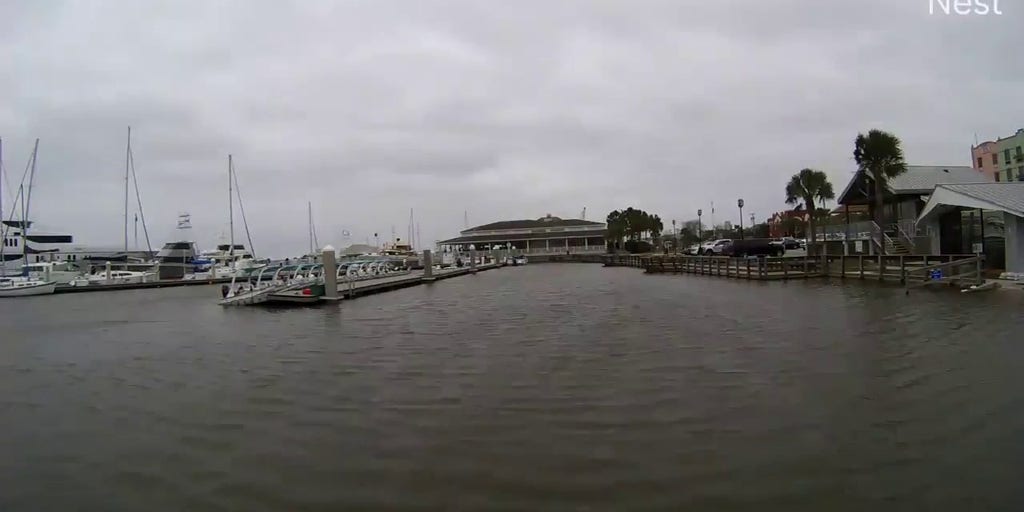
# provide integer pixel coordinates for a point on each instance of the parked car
(692, 250)
(714, 247)
(790, 243)
(753, 247)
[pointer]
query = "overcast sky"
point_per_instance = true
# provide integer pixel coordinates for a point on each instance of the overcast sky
(504, 109)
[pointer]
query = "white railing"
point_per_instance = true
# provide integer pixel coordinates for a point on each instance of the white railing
(861, 230)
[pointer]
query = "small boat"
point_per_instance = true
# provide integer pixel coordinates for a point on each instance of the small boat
(991, 285)
(23, 287)
(114, 277)
(60, 272)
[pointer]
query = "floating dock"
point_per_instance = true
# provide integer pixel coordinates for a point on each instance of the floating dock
(164, 283)
(353, 289)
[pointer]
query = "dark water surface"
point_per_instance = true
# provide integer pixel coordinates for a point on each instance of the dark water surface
(557, 387)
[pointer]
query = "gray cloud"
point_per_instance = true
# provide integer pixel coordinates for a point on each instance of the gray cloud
(501, 109)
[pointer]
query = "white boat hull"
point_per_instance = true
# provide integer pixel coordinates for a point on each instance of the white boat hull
(28, 289)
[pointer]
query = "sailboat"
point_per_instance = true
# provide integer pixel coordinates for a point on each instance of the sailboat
(23, 286)
(231, 259)
(312, 255)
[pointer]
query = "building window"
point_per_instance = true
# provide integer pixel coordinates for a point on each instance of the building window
(997, 176)
(1009, 175)
(995, 158)
(979, 163)
(1006, 155)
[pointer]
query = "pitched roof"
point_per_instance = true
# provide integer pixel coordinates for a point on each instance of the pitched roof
(923, 178)
(1007, 197)
(472, 239)
(543, 222)
(919, 179)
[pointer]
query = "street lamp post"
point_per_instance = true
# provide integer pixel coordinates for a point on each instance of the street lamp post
(700, 230)
(740, 204)
(752, 230)
(675, 238)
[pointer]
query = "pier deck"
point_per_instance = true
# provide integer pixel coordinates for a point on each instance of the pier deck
(353, 289)
(165, 283)
(904, 269)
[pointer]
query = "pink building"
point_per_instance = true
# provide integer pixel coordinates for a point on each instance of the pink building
(1001, 159)
(984, 158)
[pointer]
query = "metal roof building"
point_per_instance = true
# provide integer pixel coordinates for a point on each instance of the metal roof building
(548, 234)
(999, 206)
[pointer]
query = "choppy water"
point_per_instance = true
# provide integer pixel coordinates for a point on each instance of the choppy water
(558, 387)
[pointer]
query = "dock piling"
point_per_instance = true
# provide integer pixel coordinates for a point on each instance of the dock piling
(330, 273)
(428, 265)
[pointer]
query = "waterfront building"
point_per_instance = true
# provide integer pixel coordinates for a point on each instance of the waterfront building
(903, 202)
(546, 235)
(985, 218)
(1001, 159)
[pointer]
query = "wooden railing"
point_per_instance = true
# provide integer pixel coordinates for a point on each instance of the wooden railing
(963, 270)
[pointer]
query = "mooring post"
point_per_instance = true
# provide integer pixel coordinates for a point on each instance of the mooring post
(428, 265)
(108, 272)
(328, 257)
(472, 260)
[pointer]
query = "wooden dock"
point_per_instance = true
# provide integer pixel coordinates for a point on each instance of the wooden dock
(908, 270)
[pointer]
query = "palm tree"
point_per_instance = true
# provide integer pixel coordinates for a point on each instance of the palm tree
(879, 156)
(808, 188)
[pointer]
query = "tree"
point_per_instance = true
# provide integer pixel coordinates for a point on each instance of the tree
(807, 188)
(655, 226)
(879, 155)
(616, 227)
(632, 224)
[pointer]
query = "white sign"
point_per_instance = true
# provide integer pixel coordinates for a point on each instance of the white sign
(964, 7)
(977, 248)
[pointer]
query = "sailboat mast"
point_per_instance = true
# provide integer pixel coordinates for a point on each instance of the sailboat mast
(231, 213)
(309, 205)
(26, 201)
(127, 162)
(3, 227)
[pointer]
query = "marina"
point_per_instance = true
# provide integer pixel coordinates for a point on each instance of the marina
(870, 400)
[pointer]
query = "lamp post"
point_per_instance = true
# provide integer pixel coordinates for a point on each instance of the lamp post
(675, 238)
(740, 204)
(752, 230)
(700, 230)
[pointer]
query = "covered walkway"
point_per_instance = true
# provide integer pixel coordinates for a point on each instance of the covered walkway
(977, 217)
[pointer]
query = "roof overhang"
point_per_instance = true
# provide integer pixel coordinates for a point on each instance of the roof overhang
(943, 199)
